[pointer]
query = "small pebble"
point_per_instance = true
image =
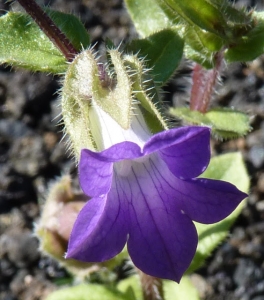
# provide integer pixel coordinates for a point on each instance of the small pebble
(256, 156)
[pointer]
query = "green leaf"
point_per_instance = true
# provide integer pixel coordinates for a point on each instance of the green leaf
(190, 116)
(203, 41)
(147, 16)
(199, 12)
(172, 290)
(162, 52)
(183, 290)
(72, 27)
(203, 58)
(131, 286)
(228, 167)
(24, 45)
(215, 16)
(225, 122)
(201, 45)
(87, 292)
(209, 25)
(228, 123)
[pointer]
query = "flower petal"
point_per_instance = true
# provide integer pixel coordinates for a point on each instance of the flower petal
(208, 201)
(162, 244)
(185, 150)
(162, 241)
(203, 200)
(95, 175)
(100, 231)
(96, 168)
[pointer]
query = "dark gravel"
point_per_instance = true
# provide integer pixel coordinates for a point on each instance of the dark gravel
(31, 156)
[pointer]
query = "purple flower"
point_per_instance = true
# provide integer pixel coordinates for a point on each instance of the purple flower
(148, 197)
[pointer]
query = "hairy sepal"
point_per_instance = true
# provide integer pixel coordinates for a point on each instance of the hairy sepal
(146, 93)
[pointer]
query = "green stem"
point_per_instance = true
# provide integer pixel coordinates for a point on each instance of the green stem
(45, 23)
(152, 287)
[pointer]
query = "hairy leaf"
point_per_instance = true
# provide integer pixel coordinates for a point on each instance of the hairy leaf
(147, 16)
(225, 122)
(162, 52)
(24, 45)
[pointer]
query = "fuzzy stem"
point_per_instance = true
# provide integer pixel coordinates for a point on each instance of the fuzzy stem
(204, 82)
(152, 287)
(51, 30)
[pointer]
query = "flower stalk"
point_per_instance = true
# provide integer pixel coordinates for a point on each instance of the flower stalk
(204, 82)
(152, 287)
(45, 23)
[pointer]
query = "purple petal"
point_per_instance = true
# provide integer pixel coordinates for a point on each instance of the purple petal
(100, 231)
(162, 241)
(208, 201)
(162, 244)
(96, 168)
(203, 200)
(149, 203)
(185, 150)
(95, 175)
(124, 150)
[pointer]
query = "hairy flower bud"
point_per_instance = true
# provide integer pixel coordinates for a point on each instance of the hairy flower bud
(55, 225)
(58, 216)
(92, 90)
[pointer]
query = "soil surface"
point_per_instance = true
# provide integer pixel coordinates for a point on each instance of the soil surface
(32, 156)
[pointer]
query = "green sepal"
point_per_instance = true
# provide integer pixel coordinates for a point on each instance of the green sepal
(226, 123)
(87, 292)
(228, 167)
(172, 290)
(75, 102)
(133, 81)
(24, 45)
(116, 101)
(146, 93)
(162, 52)
(82, 85)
